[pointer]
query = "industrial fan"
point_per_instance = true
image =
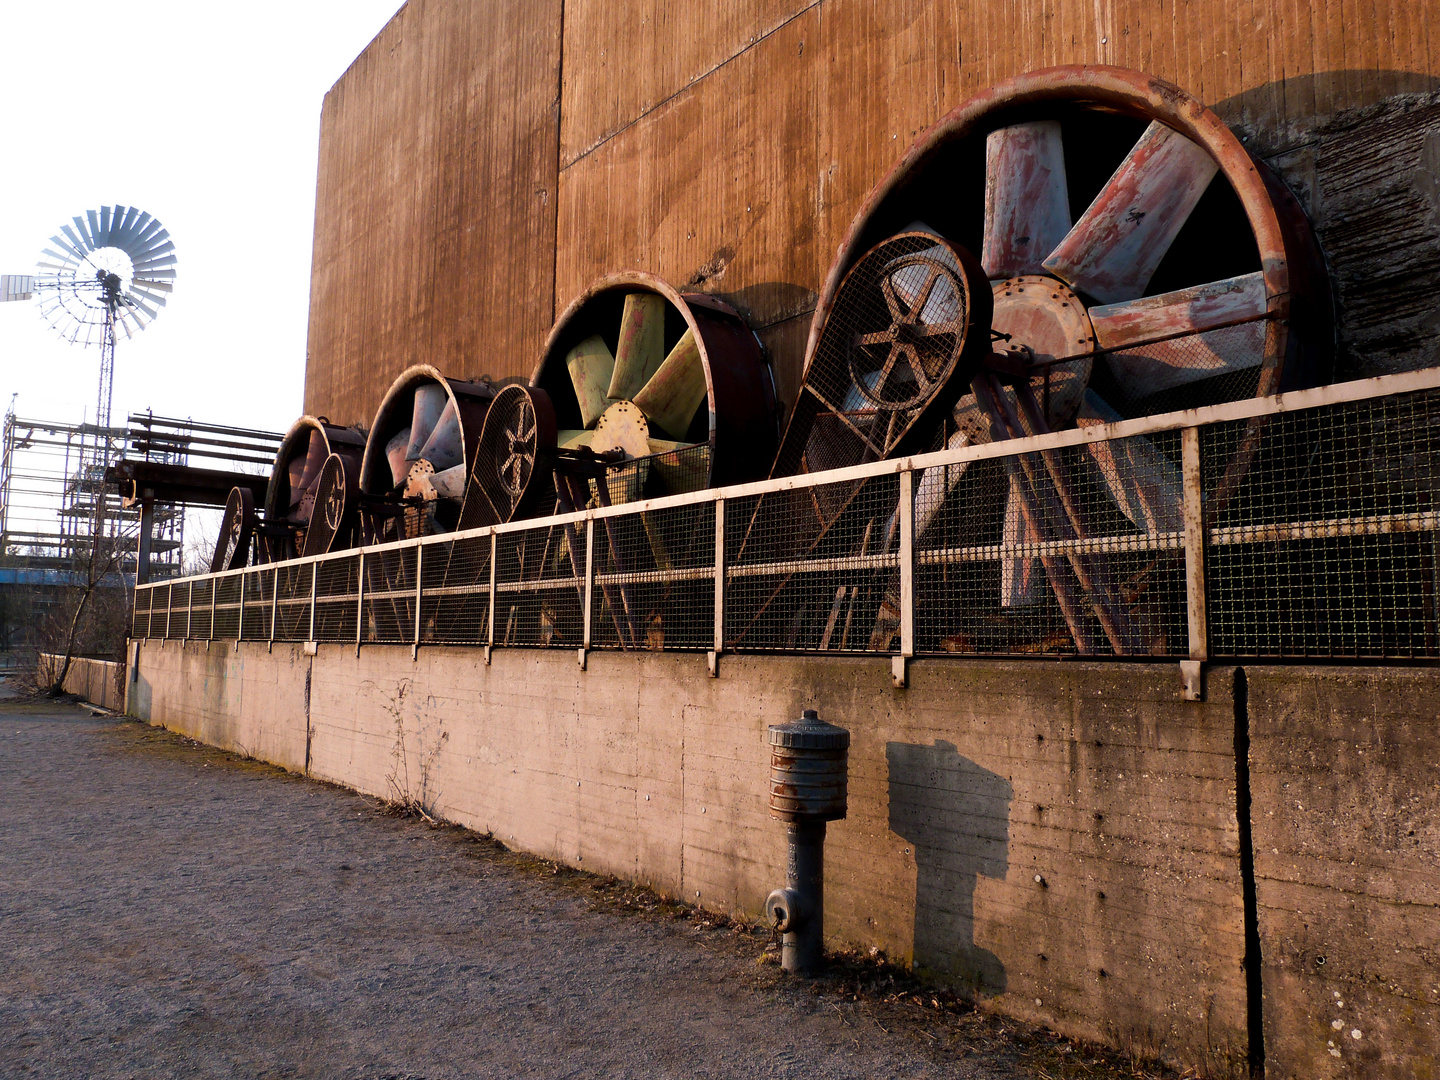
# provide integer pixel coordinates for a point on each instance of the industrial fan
(629, 366)
(1171, 289)
(312, 499)
(513, 459)
(418, 456)
(237, 527)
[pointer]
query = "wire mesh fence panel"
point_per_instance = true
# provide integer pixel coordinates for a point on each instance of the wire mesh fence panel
(336, 597)
(292, 607)
(175, 606)
(655, 579)
(1188, 372)
(810, 569)
(539, 586)
(140, 616)
(389, 608)
(258, 593)
(160, 611)
(227, 607)
(455, 597)
(1078, 550)
(1322, 531)
(200, 609)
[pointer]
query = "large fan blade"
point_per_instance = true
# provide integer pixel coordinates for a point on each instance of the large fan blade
(672, 395)
(1182, 359)
(642, 344)
(1142, 482)
(936, 484)
(1019, 574)
(445, 448)
(395, 455)
(1027, 206)
(591, 368)
(572, 439)
(449, 483)
(1114, 248)
(430, 401)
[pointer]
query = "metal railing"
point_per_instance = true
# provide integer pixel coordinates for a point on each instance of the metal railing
(1297, 526)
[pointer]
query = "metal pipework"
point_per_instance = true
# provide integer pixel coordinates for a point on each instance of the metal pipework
(808, 787)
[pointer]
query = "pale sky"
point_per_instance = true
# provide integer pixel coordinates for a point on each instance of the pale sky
(206, 115)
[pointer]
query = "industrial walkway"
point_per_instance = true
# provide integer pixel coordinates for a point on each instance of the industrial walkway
(167, 910)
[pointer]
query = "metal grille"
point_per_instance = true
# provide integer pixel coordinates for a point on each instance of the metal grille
(227, 607)
(1322, 531)
(1075, 550)
(389, 604)
(1300, 527)
(455, 596)
(336, 598)
(538, 589)
(655, 579)
(259, 591)
(200, 609)
(811, 568)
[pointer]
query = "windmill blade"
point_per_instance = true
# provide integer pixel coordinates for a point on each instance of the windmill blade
(152, 284)
(591, 366)
(445, 448)
(1114, 248)
(430, 402)
(1141, 481)
(123, 222)
(152, 232)
(86, 241)
(1027, 206)
(395, 455)
(153, 252)
(672, 396)
(103, 235)
(97, 233)
(641, 347)
(1020, 575)
(72, 242)
(1180, 317)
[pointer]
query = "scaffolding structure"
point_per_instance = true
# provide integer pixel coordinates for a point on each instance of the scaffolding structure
(55, 506)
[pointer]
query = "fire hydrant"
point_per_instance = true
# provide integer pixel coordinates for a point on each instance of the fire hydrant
(808, 787)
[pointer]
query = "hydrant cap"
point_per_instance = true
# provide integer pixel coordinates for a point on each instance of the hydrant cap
(809, 733)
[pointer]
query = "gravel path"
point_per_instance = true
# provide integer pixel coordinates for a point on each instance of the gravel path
(167, 910)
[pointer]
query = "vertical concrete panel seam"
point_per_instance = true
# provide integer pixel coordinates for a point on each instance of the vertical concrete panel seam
(1254, 988)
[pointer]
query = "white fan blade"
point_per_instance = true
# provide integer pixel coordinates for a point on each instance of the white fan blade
(936, 483)
(591, 368)
(445, 449)
(1027, 206)
(76, 244)
(672, 396)
(395, 455)
(449, 483)
(430, 402)
(1114, 248)
(641, 347)
(1149, 368)
(87, 240)
(1143, 483)
(104, 234)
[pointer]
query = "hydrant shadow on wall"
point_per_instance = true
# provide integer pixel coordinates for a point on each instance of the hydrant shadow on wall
(808, 787)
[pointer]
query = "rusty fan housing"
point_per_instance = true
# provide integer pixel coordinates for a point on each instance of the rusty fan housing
(736, 424)
(295, 478)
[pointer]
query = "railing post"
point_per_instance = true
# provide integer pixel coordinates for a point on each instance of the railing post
(360, 604)
(490, 614)
(419, 592)
(589, 588)
(714, 657)
(1194, 564)
(314, 578)
(906, 509)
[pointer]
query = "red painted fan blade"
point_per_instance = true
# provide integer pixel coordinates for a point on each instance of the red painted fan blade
(1114, 248)
(1150, 365)
(1027, 206)
(1141, 481)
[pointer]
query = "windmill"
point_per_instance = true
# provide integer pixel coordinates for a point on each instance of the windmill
(110, 270)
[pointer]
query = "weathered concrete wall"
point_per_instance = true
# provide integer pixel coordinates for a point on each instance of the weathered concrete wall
(1347, 865)
(101, 682)
(1060, 837)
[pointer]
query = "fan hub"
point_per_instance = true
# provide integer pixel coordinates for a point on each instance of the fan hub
(1042, 313)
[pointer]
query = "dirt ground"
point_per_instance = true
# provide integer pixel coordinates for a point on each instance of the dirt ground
(169, 910)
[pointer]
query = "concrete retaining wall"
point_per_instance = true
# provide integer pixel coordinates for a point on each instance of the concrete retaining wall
(1061, 838)
(101, 682)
